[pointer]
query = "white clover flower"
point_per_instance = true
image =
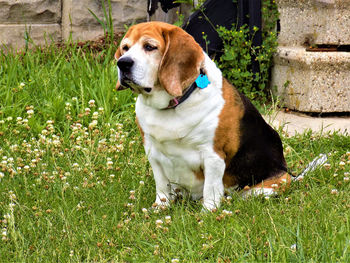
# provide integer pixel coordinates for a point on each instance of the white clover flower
(142, 183)
(95, 115)
(7, 216)
(227, 212)
(4, 233)
(68, 106)
(159, 223)
(93, 124)
(293, 247)
(78, 139)
(334, 191)
(56, 142)
(327, 166)
(109, 164)
(2, 175)
(12, 195)
(168, 219)
(205, 246)
(92, 103)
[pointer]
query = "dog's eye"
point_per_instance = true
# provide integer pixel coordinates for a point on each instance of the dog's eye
(149, 47)
(125, 48)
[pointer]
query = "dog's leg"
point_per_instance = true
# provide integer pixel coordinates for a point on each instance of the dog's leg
(269, 187)
(213, 191)
(163, 187)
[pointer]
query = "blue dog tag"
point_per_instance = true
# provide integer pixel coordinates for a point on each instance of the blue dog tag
(202, 81)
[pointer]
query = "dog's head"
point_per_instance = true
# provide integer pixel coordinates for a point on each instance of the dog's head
(159, 61)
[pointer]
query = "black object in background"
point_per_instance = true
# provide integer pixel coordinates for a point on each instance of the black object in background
(214, 13)
(166, 5)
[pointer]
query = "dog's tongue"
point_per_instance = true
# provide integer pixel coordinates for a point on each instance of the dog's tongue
(173, 103)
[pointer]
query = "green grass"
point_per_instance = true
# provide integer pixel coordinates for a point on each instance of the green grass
(75, 190)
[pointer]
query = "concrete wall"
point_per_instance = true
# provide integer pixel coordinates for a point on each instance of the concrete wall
(55, 20)
(313, 80)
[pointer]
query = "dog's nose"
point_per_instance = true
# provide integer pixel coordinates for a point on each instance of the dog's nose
(125, 64)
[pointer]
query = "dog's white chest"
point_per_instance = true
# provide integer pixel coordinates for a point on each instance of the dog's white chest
(180, 164)
(177, 141)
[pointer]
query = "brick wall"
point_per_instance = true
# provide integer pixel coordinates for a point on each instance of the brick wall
(55, 20)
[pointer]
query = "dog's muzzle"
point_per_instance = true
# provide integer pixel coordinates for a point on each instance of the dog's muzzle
(125, 65)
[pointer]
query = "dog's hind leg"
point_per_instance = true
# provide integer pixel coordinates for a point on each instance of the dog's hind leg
(269, 187)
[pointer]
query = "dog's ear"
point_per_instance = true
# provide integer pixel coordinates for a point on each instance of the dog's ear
(181, 61)
(117, 55)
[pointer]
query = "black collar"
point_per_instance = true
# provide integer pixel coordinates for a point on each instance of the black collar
(177, 101)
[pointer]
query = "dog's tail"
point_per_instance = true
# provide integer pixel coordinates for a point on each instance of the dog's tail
(318, 161)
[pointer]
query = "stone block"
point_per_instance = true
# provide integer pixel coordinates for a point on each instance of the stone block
(309, 22)
(84, 26)
(312, 81)
(30, 11)
(13, 36)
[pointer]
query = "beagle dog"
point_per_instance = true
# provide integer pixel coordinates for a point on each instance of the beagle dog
(200, 134)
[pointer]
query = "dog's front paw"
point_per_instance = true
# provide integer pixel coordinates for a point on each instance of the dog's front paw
(206, 210)
(210, 206)
(161, 201)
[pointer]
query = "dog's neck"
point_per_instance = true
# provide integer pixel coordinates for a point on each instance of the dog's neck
(201, 82)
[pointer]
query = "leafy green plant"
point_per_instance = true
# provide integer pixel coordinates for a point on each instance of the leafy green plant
(236, 63)
(107, 22)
